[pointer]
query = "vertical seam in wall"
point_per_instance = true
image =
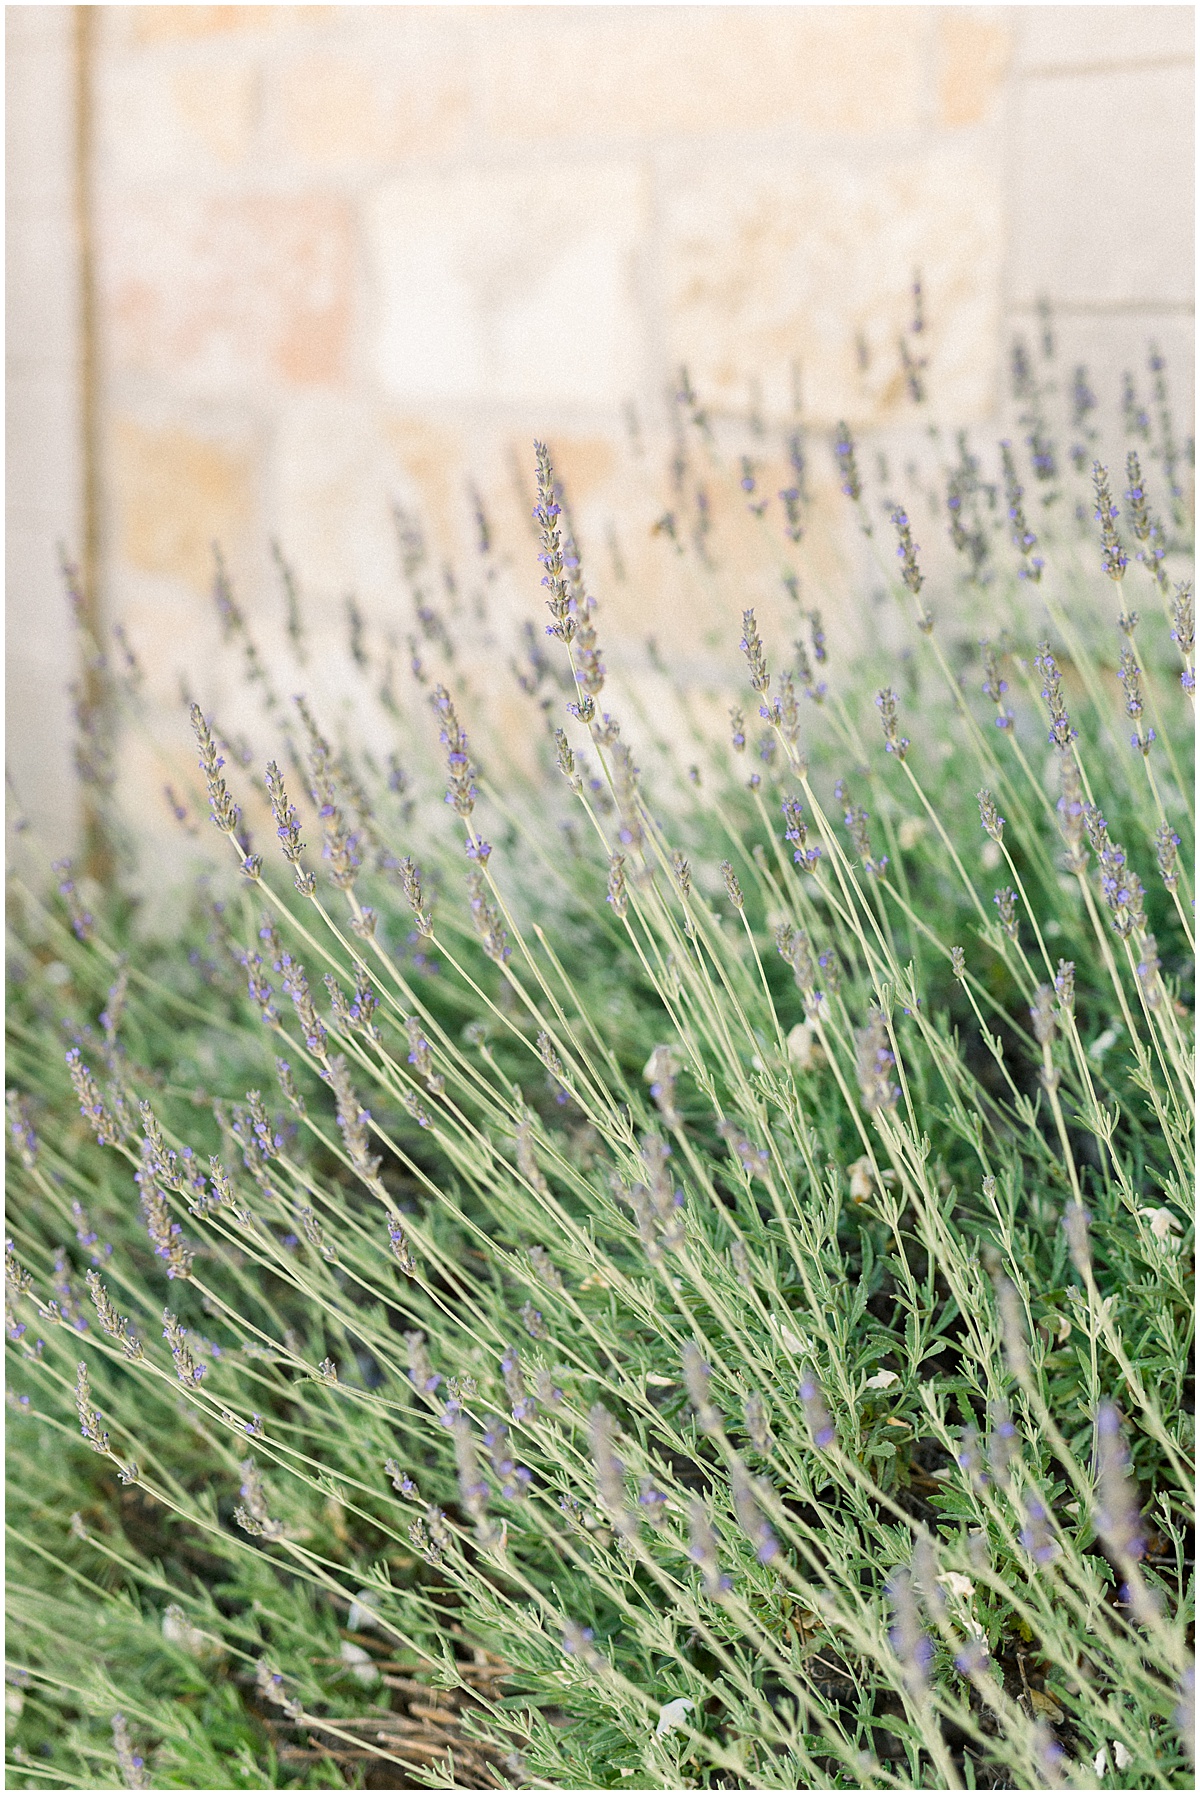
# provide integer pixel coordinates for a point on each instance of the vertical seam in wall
(95, 692)
(1008, 111)
(89, 556)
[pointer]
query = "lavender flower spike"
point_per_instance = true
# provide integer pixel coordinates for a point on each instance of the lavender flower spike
(906, 553)
(1114, 556)
(610, 1472)
(894, 742)
(1118, 1518)
(815, 1413)
(546, 516)
(750, 1517)
(875, 1058)
(131, 1766)
(906, 1637)
(703, 1550)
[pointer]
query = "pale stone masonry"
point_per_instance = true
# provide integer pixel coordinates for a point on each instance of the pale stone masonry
(348, 255)
(43, 485)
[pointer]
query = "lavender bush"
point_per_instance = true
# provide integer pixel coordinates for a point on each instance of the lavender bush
(682, 1273)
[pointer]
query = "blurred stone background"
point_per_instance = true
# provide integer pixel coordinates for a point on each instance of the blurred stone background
(274, 268)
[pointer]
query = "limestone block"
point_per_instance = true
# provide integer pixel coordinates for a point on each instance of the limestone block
(41, 293)
(427, 471)
(1060, 37)
(174, 630)
(180, 24)
(1102, 204)
(43, 461)
(975, 49)
(173, 123)
(336, 109)
(228, 291)
(30, 31)
(37, 109)
(175, 493)
(331, 486)
(645, 72)
(39, 661)
(170, 854)
(774, 262)
(509, 284)
(41, 483)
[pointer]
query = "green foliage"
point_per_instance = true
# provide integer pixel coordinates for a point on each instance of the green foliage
(727, 1260)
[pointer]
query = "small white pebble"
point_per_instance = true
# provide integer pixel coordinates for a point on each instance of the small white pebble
(178, 1630)
(1162, 1221)
(957, 1584)
(359, 1663)
(862, 1180)
(672, 1715)
(361, 1619)
(799, 1344)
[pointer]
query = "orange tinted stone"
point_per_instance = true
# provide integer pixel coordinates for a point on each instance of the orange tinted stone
(176, 494)
(974, 53)
(336, 109)
(169, 24)
(233, 289)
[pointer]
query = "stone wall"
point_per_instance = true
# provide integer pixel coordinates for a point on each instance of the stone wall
(353, 255)
(44, 455)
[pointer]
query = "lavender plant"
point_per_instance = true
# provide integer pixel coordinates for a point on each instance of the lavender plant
(702, 1306)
